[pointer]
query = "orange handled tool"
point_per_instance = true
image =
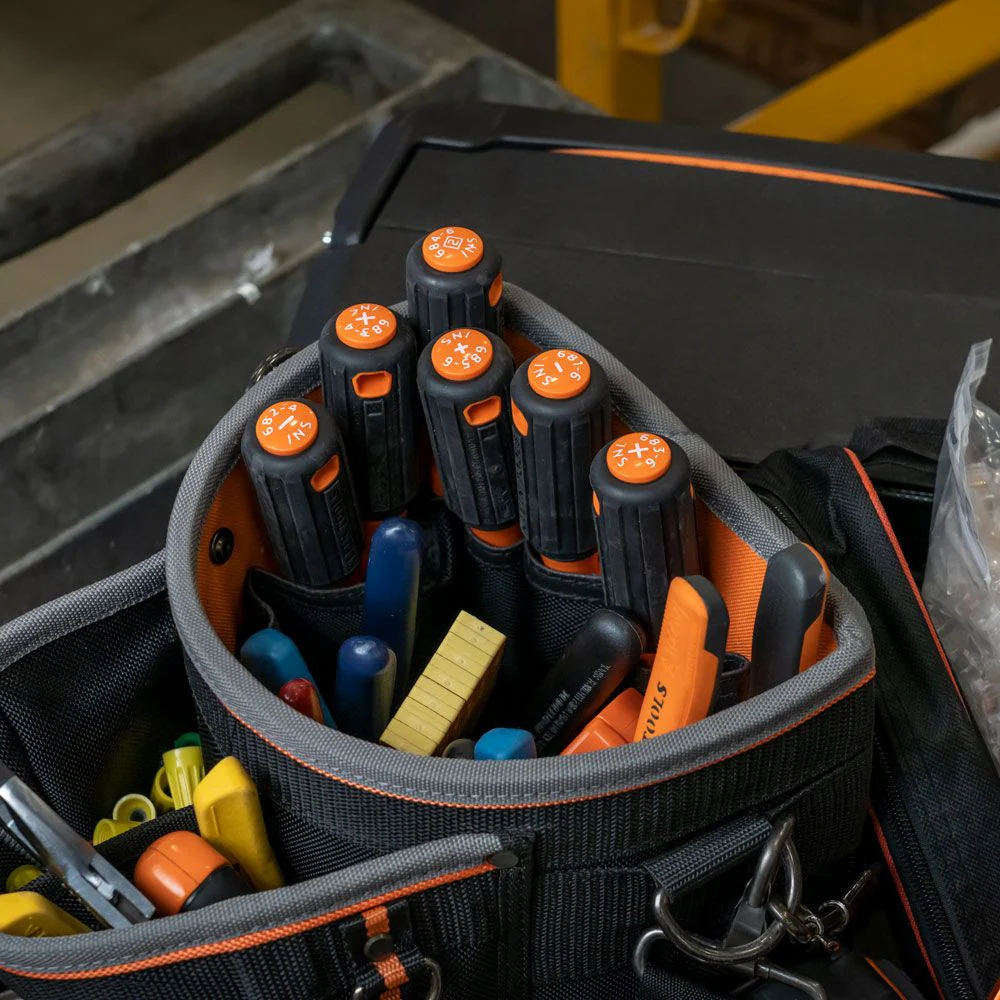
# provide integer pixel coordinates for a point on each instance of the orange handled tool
(688, 660)
(789, 621)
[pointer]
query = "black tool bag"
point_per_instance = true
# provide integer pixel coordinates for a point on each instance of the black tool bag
(935, 815)
(473, 879)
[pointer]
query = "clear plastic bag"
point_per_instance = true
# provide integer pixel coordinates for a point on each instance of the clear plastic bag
(962, 580)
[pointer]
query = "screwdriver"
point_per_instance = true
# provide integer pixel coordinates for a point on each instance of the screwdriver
(587, 674)
(295, 458)
(453, 280)
(644, 511)
(463, 379)
(689, 657)
(789, 620)
(561, 409)
(368, 361)
(392, 593)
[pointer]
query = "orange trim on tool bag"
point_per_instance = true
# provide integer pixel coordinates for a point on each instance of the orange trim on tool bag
(390, 968)
(763, 169)
(220, 587)
(736, 570)
(885, 979)
(376, 921)
(256, 938)
(911, 919)
(995, 995)
(891, 535)
(496, 806)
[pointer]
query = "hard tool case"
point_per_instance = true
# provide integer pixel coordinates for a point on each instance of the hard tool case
(477, 879)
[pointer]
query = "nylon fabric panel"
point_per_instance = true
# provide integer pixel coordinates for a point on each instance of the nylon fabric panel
(641, 822)
(308, 850)
(495, 585)
(84, 717)
(557, 605)
(464, 926)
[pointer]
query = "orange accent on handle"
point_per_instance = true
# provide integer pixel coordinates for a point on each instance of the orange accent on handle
(518, 419)
(483, 412)
(437, 484)
(326, 474)
(462, 354)
(365, 326)
(638, 458)
(589, 565)
(499, 538)
(173, 866)
(496, 290)
(611, 727)
(372, 385)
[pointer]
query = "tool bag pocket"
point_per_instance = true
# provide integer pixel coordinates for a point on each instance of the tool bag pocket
(804, 746)
(93, 689)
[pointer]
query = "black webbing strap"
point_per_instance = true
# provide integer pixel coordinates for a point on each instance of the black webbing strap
(388, 963)
(698, 861)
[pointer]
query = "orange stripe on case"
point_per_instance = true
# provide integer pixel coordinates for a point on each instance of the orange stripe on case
(761, 169)
(256, 938)
(220, 588)
(885, 979)
(392, 972)
(377, 921)
(505, 807)
(911, 919)
(736, 570)
(891, 535)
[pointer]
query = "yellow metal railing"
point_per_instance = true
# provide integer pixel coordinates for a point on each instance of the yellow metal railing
(609, 51)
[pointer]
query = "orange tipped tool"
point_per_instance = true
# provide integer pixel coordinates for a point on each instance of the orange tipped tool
(688, 659)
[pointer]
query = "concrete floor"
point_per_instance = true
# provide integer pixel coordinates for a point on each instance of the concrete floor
(60, 59)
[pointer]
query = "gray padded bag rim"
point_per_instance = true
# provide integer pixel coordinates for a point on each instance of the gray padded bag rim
(250, 914)
(504, 784)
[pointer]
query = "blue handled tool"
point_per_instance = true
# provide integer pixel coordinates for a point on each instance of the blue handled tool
(274, 660)
(506, 744)
(363, 689)
(392, 586)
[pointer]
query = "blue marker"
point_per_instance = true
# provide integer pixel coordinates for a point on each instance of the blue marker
(506, 744)
(392, 586)
(274, 659)
(363, 689)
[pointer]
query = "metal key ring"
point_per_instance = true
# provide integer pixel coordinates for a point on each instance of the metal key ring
(434, 990)
(709, 952)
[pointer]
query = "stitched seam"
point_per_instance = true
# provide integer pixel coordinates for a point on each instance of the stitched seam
(77, 626)
(242, 941)
(585, 796)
